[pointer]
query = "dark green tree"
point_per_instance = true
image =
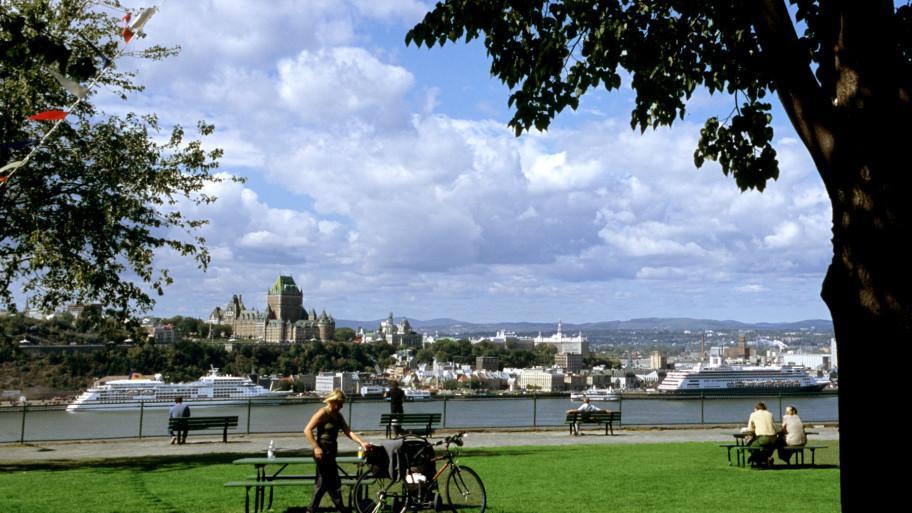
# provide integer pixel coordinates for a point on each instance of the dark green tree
(841, 71)
(84, 218)
(344, 335)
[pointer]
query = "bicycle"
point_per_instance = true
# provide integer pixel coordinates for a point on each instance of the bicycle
(412, 490)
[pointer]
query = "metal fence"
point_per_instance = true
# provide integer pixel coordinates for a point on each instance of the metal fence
(34, 423)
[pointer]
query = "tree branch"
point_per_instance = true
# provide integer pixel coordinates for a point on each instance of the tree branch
(801, 96)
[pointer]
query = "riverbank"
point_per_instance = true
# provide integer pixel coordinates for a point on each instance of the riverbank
(69, 452)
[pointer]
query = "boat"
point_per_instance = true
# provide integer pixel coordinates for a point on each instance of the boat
(212, 389)
(372, 390)
(739, 379)
(414, 394)
(596, 394)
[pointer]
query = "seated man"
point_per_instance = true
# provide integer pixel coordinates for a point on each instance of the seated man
(586, 406)
(764, 430)
(792, 434)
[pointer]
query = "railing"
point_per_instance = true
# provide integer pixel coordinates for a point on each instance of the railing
(34, 423)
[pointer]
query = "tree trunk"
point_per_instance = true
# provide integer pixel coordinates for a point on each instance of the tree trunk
(868, 289)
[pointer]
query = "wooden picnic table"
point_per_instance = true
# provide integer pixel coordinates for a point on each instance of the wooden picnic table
(270, 474)
(742, 438)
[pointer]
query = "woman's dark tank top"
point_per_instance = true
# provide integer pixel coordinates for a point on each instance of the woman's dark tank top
(328, 429)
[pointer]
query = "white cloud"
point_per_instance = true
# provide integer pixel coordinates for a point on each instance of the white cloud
(367, 195)
(332, 84)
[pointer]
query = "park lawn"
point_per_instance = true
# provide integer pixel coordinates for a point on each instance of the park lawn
(686, 477)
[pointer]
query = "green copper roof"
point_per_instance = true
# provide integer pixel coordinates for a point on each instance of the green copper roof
(284, 284)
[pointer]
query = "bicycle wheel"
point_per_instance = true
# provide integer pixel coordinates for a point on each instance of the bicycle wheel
(373, 494)
(464, 491)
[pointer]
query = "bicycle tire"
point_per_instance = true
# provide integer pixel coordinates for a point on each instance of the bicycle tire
(366, 497)
(465, 491)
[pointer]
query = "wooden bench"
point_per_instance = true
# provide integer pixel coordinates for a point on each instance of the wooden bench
(198, 423)
(745, 450)
(414, 423)
(794, 450)
(608, 418)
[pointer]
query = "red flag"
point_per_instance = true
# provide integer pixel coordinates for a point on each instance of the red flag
(48, 115)
(127, 33)
(3, 179)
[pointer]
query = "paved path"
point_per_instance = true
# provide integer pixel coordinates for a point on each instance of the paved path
(203, 443)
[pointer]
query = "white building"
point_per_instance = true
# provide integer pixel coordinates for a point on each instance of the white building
(809, 360)
(565, 343)
(543, 380)
(328, 381)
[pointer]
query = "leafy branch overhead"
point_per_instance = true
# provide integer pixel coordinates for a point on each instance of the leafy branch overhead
(550, 53)
(99, 199)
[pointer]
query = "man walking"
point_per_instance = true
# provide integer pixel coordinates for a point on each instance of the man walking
(178, 411)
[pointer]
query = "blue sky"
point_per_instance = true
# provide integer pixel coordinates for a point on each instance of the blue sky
(384, 178)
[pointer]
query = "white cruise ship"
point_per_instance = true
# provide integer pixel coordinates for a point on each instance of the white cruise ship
(735, 379)
(212, 389)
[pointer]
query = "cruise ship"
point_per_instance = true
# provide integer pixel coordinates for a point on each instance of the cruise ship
(212, 389)
(736, 379)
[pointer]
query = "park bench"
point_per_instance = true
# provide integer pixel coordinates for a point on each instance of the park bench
(199, 423)
(794, 450)
(608, 418)
(413, 423)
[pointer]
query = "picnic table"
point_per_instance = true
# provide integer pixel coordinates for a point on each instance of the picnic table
(742, 449)
(270, 473)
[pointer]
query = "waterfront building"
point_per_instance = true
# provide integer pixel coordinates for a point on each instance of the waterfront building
(565, 343)
(543, 380)
(658, 360)
(326, 382)
(809, 360)
(569, 362)
(574, 382)
(285, 318)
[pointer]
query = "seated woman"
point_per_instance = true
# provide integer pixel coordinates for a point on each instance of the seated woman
(792, 434)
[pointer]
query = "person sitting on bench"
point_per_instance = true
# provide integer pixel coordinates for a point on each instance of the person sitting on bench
(792, 433)
(585, 407)
(179, 410)
(763, 428)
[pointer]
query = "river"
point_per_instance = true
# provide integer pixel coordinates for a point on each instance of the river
(46, 423)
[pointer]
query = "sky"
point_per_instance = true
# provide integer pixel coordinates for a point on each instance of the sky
(383, 178)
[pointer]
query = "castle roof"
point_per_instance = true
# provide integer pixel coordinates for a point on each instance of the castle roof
(284, 285)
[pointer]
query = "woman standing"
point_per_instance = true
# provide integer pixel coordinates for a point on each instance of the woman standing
(327, 421)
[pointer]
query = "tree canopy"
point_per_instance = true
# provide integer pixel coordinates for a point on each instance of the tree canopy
(841, 71)
(85, 218)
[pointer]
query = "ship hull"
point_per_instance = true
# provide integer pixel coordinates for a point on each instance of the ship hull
(745, 391)
(193, 403)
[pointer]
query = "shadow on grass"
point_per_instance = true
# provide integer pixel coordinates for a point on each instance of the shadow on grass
(194, 460)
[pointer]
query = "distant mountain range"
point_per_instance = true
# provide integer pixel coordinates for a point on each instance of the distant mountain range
(453, 326)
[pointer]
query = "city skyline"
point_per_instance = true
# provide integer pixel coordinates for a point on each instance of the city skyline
(384, 178)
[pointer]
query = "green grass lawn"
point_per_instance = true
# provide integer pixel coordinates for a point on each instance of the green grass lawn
(689, 477)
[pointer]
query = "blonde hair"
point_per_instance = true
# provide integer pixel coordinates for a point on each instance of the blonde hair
(336, 396)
